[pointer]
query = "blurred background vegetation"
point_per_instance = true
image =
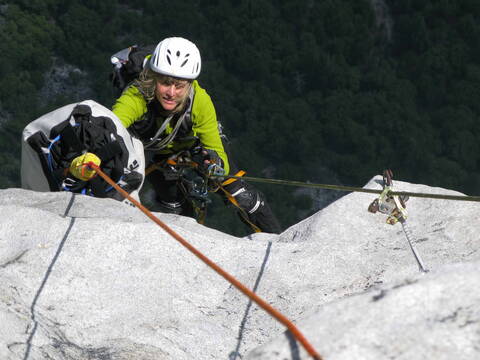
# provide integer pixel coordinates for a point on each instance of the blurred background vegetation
(327, 91)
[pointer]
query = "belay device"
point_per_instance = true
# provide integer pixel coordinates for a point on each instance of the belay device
(394, 207)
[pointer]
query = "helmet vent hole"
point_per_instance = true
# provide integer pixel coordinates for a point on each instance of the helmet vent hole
(169, 61)
(183, 64)
(178, 53)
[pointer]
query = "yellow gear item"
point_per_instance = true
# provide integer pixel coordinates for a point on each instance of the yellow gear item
(79, 166)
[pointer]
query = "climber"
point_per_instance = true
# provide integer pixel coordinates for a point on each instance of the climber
(167, 109)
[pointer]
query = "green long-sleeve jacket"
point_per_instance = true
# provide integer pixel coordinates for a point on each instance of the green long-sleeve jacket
(131, 106)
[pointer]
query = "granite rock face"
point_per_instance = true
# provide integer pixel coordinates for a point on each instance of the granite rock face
(85, 278)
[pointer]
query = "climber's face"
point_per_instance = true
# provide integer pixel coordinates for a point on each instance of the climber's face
(171, 92)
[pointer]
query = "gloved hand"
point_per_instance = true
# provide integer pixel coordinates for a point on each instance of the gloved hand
(79, 166)
(208, 161)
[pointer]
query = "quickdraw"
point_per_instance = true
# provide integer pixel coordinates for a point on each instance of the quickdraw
(395, 207)
(392, 205)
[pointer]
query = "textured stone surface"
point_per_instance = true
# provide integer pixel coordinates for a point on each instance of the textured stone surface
(433, 316)
(85, 278)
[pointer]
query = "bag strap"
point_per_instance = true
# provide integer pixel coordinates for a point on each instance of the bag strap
(109, 151)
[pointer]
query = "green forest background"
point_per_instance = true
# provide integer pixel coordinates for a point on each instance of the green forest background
(327, 91)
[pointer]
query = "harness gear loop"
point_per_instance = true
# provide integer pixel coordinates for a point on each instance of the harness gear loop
(181, 161)
(191, 182)
(232, 280)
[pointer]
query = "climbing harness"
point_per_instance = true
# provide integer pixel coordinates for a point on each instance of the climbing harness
(196, 185)
(191, 181)
(232, 280)
(395, 207)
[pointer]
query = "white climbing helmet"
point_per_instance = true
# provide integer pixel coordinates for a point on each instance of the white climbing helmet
(177, 57)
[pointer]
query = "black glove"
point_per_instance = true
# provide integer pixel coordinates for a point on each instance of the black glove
(73, 184)
(209, 163)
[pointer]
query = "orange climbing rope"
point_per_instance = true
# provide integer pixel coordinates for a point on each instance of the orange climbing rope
(232, 280)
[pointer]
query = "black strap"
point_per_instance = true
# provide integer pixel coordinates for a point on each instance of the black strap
(109, 151)
(70, 140)
(98, 187)
(37, 141)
